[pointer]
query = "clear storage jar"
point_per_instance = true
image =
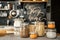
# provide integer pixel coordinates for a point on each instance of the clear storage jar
(24, 31)
(33, 27)
(40, 29)
(17, 31)
(51, 24)
(51, 33)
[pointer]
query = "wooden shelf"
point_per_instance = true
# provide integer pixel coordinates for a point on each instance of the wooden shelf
(4, 9)
(33, 1)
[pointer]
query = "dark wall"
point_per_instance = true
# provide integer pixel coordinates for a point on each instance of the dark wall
(55, 15)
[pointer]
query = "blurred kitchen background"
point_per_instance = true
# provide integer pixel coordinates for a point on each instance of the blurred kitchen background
(29, 18)
(29, 11)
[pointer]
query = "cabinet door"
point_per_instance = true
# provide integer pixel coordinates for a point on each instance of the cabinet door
(55, 13)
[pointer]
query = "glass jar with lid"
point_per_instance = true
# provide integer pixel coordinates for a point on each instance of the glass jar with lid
(24, 31)
(32, 30)
(51, 24)
(32, 27)
(51, 33)
(41, 29)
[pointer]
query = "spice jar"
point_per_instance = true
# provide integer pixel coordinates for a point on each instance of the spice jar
(51, 33)
(33, 35)
(40, 29)
(24, 31)
(51, 24)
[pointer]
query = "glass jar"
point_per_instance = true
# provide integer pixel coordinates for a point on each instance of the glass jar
(32, 27)
(33, 35)
(24, 31)
(51, 33)
(16, 31)
(17, 22)
(40, 29)
(51, 24)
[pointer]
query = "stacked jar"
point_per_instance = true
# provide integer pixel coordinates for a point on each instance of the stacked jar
(17, 25)
(51, 31)
(37, 29)
(32, 30)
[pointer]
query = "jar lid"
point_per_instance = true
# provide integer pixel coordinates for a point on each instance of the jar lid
(51, 30)
(51, 22)
(32, 32)
(40, 22)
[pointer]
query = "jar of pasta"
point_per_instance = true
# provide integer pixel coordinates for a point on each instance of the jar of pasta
(41, 29)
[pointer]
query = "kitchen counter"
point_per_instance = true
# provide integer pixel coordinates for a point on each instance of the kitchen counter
(12, 37)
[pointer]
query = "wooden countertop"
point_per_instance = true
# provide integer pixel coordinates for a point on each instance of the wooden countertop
(13, 37)
(58, 34)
